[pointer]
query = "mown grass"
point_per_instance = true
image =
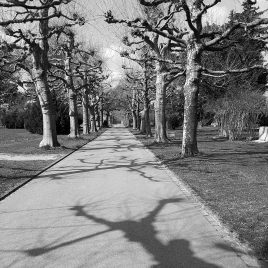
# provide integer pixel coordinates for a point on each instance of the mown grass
(231, 178)
(19, 141)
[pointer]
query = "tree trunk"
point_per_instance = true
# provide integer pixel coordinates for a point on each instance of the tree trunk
(160, 105)
(98, 116)
(73, 113)
(142, 125)
(145, 116)
(134, 119)
(101, 112)
(111, 120)
(133, 106)
(93, 127)
(85, 104)
(145, 119)
(39, 76)
(107, 119)
(148, 130)
(138, 117)
(146, 104)
(191, 90)
(48, 110)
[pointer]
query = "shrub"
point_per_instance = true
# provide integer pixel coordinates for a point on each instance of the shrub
(62, 118)
(13, 119)
(33, 119)
(175, 120)
(263, 120)
(239, 113)
(105, 123)
(80, 119)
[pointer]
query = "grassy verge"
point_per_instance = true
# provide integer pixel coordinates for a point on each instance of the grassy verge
(21, 142)
(231, 178)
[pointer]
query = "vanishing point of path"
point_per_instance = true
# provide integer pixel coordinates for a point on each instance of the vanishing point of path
(109, 204)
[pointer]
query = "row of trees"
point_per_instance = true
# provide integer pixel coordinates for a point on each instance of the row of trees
(182, 45)
(41, 45)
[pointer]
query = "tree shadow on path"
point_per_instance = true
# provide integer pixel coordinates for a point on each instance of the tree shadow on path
(176, 253)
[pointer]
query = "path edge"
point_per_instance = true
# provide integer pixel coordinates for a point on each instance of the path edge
(231, 237)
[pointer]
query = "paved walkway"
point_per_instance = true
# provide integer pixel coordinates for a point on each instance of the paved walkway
(110, 204)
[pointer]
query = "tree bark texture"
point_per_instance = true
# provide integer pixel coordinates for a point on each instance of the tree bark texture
(93, 127)
(133, 109)
(73, 113)
(134, 119)
(85, 104)
(142, 125)
(160, 105)
(191, 90)
(39, 52)
(98, 116)
(48, 110)
(101, 112)
(107, 118)
(138, 116)
(145, 115)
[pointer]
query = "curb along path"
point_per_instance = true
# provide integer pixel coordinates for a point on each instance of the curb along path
(109, 204)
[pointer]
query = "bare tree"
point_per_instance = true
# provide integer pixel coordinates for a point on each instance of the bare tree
(35, 44)
(144, 59)
(192, 40)
(168, 67)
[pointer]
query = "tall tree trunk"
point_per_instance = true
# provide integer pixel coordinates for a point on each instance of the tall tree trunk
(145, 121)
(133, 109)
(134, 119)
(160, 104)
(223, 131)
(107, 119)
(148, 130)
(142, 124)
(146, 105)
(138, 116)
(39, 76)
(98, 116)
(85, 105)
(93, 127)
(191, 90)
(111, 120)
(48, 110)
(73, 113)
(101, 112)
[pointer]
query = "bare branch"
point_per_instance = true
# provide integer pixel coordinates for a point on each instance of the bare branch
(153, 3)
(234, 71)
(233, 28)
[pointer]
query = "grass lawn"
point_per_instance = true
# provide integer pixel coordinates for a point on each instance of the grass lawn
(19, 141)
(231, 178)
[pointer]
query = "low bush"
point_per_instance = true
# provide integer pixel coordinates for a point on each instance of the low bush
(34, 121)
(175, 120)
(105, 123)
(13, 119)
(62, 118)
